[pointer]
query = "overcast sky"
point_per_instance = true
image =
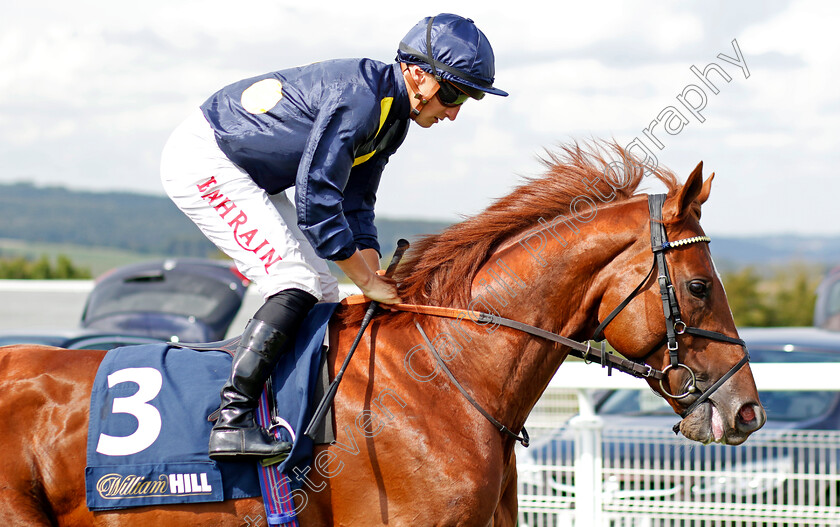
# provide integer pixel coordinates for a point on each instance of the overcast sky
(90, 90)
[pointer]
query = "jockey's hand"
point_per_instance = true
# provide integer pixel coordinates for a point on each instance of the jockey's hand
(382, 289)
(374, 286)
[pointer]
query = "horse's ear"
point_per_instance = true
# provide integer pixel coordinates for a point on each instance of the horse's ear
(693, 191)
(707, 188)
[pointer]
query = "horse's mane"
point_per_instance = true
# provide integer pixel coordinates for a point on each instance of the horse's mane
(439, 268)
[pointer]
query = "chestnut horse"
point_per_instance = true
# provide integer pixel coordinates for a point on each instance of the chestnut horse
(560, 252)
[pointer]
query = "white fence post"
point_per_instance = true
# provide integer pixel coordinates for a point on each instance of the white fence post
(588, 429)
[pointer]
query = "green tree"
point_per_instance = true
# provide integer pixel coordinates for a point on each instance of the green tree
(13, 268)
(41, 269)
(784, 298)
(745, 300)
(20, 268)
(794, 296)
(65, 270)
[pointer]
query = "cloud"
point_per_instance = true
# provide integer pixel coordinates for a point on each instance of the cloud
(92, 89)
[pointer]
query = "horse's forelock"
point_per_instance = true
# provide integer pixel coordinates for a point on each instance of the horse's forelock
(439, 269)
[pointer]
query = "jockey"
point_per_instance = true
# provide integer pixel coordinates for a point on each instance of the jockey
(327, 130)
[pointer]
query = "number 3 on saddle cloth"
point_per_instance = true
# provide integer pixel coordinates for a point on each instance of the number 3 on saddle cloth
(148, 430)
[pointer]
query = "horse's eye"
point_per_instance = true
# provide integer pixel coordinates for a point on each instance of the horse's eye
(698, 288)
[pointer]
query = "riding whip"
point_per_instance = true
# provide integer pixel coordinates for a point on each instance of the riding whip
(327, 400)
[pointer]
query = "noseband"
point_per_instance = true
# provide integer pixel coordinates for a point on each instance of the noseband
(674, 324)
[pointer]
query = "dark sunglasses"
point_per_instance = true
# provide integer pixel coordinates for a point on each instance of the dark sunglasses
(450, 94)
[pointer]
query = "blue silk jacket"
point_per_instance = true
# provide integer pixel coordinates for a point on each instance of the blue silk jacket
(328, 129)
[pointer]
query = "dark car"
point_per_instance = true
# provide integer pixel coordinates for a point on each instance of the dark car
(183, 299)
(187, 300)
(791, 466)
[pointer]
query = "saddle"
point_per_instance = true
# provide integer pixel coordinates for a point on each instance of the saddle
(148, 430)
(326, 432)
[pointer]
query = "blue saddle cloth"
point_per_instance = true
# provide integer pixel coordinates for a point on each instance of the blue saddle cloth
(148, 430)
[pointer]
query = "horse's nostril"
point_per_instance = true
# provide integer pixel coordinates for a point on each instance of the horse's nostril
(751, 417)
(747, 413)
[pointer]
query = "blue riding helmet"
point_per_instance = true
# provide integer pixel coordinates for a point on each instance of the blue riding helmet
(459, 53)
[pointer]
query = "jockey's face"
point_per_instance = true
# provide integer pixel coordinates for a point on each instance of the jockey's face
(433, 111)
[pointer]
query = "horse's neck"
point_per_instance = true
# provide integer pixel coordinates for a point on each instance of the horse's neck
(556, 288)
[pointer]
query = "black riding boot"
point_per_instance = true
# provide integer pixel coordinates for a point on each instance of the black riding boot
(236, 433)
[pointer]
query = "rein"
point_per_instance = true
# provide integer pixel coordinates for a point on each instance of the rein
(580, 350)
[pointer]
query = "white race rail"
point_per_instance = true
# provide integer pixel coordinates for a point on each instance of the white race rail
(787, 376)
(589, 505)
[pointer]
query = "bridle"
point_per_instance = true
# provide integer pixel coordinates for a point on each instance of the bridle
(674, 326)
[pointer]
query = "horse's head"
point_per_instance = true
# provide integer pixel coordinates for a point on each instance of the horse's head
(705, 376)
(591, 271)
